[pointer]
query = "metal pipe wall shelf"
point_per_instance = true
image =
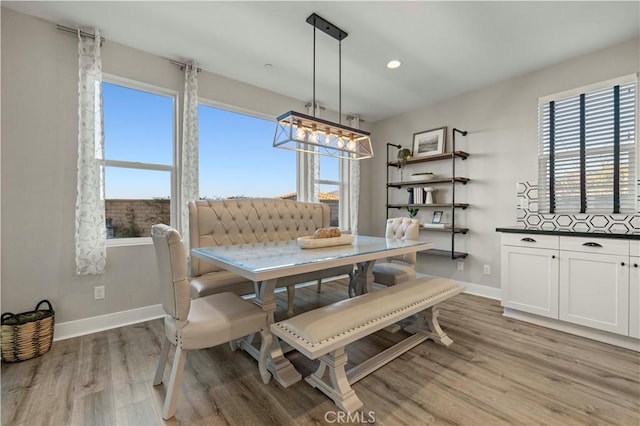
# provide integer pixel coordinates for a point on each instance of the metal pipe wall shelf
(461, 180)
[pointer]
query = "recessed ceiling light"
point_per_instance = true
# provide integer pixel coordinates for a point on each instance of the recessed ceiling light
(393, 64)
(268, 66)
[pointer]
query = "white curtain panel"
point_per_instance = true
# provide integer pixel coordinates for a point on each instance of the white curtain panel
(189, 190)
(313, 167)
(354, 185)
(91, 232)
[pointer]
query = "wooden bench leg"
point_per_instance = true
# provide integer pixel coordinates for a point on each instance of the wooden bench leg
(427, 323)
(337, 386)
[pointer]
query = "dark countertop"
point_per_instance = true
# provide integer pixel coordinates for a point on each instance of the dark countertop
(626, 235)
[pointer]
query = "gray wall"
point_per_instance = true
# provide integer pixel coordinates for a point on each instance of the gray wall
(502, 123)
(39, 154)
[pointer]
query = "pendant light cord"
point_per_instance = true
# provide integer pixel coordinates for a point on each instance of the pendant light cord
(313, 106)
(340, 81)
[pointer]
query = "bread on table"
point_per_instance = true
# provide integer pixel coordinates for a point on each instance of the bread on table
(327, 233)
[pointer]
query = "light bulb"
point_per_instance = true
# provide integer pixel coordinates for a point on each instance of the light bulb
(351, 146)
(314, 134)
(300, 133)
(340, 142)
(327, 137)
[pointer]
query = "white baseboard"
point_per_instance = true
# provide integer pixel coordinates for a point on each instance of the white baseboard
(578, 330)
(69, 329)
(475, 289)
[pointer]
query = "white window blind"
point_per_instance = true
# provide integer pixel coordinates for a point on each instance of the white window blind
(587, 149)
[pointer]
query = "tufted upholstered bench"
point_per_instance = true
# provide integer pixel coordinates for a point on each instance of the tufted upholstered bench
(251, 220)
(324, 332)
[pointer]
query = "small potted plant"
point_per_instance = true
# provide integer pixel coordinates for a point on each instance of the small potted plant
(412, 212)
(403, 156)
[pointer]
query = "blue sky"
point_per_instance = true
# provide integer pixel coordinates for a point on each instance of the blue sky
(236, 152)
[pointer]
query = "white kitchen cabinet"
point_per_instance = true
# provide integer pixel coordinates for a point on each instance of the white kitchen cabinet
(530, 280)
(594, 290)
(585, 285)
(634, 289)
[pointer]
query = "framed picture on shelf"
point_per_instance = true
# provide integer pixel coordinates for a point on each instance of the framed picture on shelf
(429, 142)
(437, 217)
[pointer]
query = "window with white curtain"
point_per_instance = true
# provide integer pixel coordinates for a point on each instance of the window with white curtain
(139, 144)
(587, 149)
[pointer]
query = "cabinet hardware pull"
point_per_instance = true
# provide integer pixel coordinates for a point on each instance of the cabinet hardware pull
(553, 256)
(592, 245)
(622, 263)
(529, 240)
(635, 265)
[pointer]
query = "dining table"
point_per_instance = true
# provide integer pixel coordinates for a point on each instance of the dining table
(266, 262)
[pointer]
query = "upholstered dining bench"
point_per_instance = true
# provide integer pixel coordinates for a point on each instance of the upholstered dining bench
(251, 220)
(324, 332)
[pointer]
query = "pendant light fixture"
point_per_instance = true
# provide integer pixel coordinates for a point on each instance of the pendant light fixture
(302, 132)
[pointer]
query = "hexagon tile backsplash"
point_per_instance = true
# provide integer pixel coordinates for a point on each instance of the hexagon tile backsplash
(527, 215)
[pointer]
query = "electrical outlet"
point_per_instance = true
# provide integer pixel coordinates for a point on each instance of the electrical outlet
(486, 270)
(460, 266)
(98, 292)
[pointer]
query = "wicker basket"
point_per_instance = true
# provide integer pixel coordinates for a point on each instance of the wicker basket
(28, 334)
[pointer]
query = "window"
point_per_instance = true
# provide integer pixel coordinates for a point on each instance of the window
(587, 149)
(329, 190)
(139, 140)
(237, 158)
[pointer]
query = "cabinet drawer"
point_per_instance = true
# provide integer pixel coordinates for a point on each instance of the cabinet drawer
(595, 245)
(634, 247)
(531, 240)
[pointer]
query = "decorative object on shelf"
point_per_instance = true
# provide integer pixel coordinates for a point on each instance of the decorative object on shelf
(422, 176)
(412, 212)
(412, 198)
(403, 155)
(28, 334)
(429, 142)
(302, 132)
(428, 197)
(436, 225)
(437, 217)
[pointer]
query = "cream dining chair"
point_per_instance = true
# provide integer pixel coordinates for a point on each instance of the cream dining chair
(400, 268)
(200, 323)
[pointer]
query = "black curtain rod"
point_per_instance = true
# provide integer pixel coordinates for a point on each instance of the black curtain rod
(82, 33)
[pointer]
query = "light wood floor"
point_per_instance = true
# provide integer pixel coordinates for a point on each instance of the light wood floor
(498, 371)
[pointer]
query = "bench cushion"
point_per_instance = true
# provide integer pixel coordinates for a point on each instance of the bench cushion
(317, 332)
(219, 282)
(392, 273)
(223, 281)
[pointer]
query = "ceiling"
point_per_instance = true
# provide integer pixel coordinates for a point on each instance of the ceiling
(446, 48)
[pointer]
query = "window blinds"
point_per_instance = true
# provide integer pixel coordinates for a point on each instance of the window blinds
(587, 150)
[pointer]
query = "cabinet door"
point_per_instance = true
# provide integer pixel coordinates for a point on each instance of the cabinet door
(530, 280)
(634, 298)
(594, 290)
